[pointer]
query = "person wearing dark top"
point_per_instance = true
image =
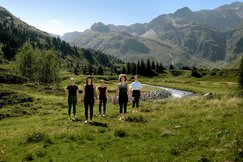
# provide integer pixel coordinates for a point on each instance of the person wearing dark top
(122, 91)
(102, 95)
(89, 91)
(72, 93)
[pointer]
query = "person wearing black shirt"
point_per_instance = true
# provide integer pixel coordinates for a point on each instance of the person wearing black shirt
(72, 93)
(102, 93)
(89, 91)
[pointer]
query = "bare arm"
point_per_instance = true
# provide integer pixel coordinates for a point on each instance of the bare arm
(106, 92)
(117, 90)
(67, 93)
(83, 91)
(95, 94)
(98, 93)
(77, 93)
(128, 91)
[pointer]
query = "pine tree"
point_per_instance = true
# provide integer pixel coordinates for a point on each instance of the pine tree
(123, 70)
(85, 70)
(76, 70)
(148, 67)
(128, 68)
(172, 67)
(138, 68)
(143, 71)
(100, 71)
(115, 69)
(90, 69)
(153, 65)
(134, 69)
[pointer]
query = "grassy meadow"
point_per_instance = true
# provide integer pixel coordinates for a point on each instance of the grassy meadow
(34, 124)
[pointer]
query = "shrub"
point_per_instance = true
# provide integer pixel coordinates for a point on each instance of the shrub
(137, 119)
(36, 137)
(120, 133)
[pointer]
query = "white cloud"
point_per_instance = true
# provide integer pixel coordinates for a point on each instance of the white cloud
(55, 22)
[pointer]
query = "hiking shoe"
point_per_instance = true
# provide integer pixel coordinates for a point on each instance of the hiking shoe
(74, 119)
(85, 122)
(103, 115)
(120, 118)
(90, 122)
(68, 118)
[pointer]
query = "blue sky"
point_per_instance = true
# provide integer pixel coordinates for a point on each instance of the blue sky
(62, 16)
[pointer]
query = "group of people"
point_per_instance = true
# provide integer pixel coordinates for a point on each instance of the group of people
(123, 91)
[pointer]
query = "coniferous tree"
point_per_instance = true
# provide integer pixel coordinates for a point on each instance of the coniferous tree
(128, 68)
(100, 71)
(143, 71)
(90, 69)
(115, 69)
(138, 68)
(153, 65)
(85, 70)
(148, 67)
(157, 67)
(123, 70)
(172, 67)
(95, 71)
(76, 70)
(134, 69)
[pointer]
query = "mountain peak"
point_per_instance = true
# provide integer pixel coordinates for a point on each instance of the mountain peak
(100, 27)
(183, 11)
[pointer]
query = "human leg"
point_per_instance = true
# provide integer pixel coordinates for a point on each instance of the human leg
(104, 106)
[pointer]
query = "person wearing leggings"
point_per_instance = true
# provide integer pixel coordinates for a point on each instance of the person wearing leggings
(89, 91)
(102, 95)
(135, 87)
(72, 93)
(122, 91)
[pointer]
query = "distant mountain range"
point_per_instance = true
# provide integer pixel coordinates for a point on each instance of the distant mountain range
(14, 33)
(206, 38)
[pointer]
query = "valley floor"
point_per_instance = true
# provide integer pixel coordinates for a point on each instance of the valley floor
(197, 128)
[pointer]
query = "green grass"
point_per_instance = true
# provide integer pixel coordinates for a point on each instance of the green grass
(190, 129)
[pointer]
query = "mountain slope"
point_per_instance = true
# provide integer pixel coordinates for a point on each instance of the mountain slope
(182, 38)
(14, 33)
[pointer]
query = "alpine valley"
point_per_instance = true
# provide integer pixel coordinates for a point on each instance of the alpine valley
(206, 38)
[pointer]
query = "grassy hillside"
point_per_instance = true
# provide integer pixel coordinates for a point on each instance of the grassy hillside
(35, 127)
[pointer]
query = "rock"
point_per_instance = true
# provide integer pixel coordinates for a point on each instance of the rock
(208, 94)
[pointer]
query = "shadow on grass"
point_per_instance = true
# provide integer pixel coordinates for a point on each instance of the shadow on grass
(99, 124)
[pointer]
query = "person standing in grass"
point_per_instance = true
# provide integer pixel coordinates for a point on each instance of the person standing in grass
(89, 91)
(122, 91)
(102, 95)
(72, 93)
(136, 90)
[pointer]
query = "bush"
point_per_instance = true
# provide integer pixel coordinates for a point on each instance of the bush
(120, 133)
(36, 137)
(12, 79)
(137, 119)
(176, 72)
(10, 97)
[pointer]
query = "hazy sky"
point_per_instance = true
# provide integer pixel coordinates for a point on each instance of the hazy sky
(62, 16)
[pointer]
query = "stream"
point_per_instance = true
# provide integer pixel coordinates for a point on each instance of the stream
(170, 92)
